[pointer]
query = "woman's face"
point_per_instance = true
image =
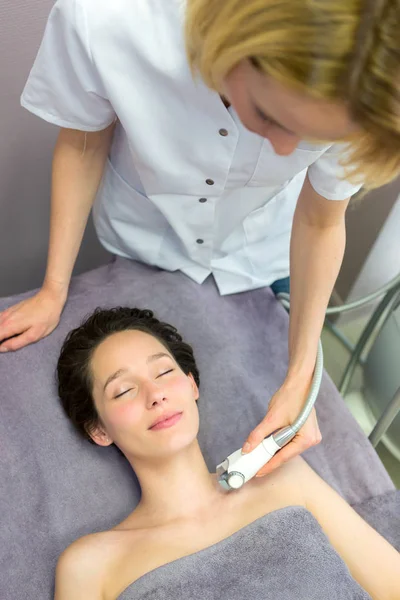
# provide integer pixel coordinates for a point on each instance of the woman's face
(282, 115)
(137, 383)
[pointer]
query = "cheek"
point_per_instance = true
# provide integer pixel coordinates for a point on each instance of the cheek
(123, 415)
(231, 87)
(235, 93)
(179, 388)
(239, 100)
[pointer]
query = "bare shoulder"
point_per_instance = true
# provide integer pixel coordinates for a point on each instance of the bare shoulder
(299, 479)
(291, 473)
(285, 485)
(81, 552)
(83, 566)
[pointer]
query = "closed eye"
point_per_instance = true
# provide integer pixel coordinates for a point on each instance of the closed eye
(122, 393)
(166, 372)
(263, 117)
(130, 389)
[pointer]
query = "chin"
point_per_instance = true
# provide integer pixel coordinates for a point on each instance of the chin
(175, 442)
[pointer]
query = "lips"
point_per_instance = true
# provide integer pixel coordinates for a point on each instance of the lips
(164, 418)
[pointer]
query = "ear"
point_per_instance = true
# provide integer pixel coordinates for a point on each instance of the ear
(195, 389)
(100, 436)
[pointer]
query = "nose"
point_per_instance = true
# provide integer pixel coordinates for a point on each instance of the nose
(283, 143)
(155, 393)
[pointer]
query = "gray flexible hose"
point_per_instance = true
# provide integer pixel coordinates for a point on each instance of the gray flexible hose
(332, 310)
(283, 436)
(277, 440)
(286, 434)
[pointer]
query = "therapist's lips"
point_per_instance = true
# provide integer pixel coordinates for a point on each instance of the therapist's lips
(167, 422)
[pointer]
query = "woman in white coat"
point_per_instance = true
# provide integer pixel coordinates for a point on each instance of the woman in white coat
(216, 137)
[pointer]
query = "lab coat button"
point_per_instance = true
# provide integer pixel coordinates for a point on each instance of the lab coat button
(210, 181)
(223, 132)
(200, 241)
(202, 200)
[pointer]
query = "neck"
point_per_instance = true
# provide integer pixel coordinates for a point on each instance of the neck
(178, 488)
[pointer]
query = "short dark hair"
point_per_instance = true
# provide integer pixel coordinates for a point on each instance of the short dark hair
(74, 376)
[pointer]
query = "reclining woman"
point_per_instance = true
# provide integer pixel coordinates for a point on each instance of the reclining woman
(125, 378)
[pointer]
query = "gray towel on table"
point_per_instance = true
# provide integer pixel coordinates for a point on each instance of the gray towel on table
(283, 555)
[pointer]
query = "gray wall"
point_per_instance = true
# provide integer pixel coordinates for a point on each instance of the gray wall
(365, 221)
(381, 266)
(26, 145)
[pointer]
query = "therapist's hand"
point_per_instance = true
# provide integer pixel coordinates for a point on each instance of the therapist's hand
(32, 319)
(283, 410)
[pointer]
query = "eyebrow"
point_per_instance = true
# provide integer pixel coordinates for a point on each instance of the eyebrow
(150, 359)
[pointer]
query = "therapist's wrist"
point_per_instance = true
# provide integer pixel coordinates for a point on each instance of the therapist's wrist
(57, 288)
(299, 374)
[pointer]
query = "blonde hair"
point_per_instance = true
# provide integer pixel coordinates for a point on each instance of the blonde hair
(346, 50)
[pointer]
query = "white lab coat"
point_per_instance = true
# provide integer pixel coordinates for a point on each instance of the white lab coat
(186, 186)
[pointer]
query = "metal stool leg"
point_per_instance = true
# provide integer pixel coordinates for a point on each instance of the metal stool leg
(382, 311)
(385, 419)
(339, 335)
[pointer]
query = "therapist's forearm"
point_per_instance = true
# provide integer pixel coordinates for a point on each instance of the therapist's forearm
(316, 254)
(78, 166)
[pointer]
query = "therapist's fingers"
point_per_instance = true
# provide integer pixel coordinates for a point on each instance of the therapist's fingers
(4, 314)
(16, 331)
(271, 422)
(7, 333)
(297, 446)
(289, 451)
(24, 338)
(31, 319)
(11, 325)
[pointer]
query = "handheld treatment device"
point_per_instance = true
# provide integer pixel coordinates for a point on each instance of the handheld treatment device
(238, 468)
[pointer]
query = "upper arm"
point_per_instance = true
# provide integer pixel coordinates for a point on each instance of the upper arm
(85, 142)
(327, 175)
(317, 210)
(372, 561)
(78, 573)
(64, 86)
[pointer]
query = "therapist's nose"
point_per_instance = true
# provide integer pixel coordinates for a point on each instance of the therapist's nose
(283, 143)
